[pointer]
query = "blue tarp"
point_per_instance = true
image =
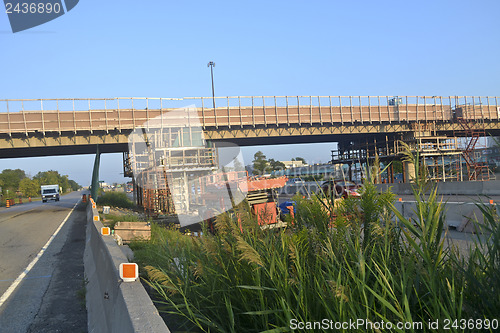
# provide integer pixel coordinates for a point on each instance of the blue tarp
(283, 206)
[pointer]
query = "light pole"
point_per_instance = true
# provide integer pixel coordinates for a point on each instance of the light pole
(211, 64)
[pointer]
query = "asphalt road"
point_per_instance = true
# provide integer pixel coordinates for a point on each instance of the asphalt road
(49, 298)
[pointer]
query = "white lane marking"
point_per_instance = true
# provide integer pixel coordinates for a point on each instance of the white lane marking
(455, 202)
(29, 278)
(21, 276)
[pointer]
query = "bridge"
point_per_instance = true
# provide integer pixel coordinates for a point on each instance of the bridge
(44, 127)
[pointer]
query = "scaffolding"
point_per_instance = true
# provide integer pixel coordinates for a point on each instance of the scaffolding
(440, 154)
(165, 162)
(472, 131)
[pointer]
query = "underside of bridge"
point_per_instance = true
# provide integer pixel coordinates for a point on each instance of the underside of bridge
(84, 142)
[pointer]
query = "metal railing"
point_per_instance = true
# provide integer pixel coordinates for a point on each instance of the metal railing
(125, 113)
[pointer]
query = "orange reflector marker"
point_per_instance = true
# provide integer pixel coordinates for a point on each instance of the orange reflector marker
(491, 201)
(105, 231)
(129, 272)
(96, 217)
(400, 199)
(93, 205)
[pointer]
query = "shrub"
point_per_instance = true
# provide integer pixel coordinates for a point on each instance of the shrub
(115, 199)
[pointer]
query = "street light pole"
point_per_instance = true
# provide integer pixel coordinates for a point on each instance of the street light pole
(211, 64)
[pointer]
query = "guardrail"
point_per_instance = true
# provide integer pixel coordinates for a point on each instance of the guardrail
(114, 305)
(125, 113)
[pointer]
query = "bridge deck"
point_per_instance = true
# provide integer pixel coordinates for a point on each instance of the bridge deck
(47, 127)
(274, 114)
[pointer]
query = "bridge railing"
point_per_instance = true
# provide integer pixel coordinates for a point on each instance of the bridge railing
(125, 113)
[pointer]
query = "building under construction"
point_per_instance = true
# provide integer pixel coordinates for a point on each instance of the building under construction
(447, 158)
(164, 161)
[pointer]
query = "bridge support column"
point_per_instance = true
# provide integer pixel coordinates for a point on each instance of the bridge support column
(409, 171)
(95, 174)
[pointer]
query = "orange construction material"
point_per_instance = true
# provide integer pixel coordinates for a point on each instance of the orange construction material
(262, 184)
(265, 212)
(7, 203)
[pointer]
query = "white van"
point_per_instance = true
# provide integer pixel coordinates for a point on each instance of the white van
(50, 192)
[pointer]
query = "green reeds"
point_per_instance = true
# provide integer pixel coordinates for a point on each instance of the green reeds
(354, 259)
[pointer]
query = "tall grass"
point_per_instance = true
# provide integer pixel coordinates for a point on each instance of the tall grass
(115, 199)
(368, 262)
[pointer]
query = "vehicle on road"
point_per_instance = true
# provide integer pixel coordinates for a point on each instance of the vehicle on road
(50, 192)
(340, 189)
(295, 181)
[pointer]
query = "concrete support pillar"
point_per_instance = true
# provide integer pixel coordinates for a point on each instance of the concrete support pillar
(409, 171)
(134, 190)
(95, 174)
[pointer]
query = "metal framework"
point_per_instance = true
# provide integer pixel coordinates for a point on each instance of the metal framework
(165, 164)
(473, 128)
(25, 116)
(440, 154)
(29, 123)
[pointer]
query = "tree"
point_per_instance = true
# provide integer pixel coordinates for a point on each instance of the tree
(11, 178)
(276, 165)
(29, 187)
(74, 185)
(260, 163)
(300, 159)
(48, 177)
(16, 180)
(53, 177)
(397, 166)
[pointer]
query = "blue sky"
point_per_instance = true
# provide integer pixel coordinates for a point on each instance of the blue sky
(161, 49)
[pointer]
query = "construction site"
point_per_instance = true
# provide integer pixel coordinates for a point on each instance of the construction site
(447, 158)
(176, 171)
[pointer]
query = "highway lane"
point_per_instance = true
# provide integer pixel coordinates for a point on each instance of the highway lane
(24, 230)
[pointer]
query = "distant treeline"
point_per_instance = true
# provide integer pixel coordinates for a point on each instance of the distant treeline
(16, 183)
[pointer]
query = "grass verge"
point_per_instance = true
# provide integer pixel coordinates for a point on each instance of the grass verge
(370, 263)
(115, 199)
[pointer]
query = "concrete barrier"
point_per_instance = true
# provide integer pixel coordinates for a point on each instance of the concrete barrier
(491, 187)
(113, 305)
(456, 213)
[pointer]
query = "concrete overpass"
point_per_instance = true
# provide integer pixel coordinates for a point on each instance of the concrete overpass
(46, 127)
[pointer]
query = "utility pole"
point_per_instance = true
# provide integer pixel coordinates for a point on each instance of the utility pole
(211, 64)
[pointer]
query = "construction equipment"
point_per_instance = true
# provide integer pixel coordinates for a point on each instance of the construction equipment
(260, 194)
